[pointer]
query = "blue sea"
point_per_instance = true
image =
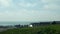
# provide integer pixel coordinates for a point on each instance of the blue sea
(14, 23)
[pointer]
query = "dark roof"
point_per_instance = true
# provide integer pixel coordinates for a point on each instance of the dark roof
(41, 23)
(46, 22)
(35, 23)
(57, 22)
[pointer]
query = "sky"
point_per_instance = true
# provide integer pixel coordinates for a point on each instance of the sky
(29, 10)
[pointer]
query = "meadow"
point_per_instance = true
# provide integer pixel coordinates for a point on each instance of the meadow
(49, 29)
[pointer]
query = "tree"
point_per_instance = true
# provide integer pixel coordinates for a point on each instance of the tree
(18, 26)
(53, 22)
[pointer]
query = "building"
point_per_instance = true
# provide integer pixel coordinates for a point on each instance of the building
(30, 25)
(40, 24)
(45, 23)
(34, 24)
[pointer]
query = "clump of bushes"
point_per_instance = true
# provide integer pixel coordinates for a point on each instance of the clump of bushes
(48, 30)
(34, 30)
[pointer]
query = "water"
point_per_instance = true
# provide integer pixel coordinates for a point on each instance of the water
(14, 23)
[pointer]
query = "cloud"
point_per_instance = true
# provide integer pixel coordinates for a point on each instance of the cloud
(28, 15)
(27, 11)
(51, 4)
(5, 3)
(27, 4)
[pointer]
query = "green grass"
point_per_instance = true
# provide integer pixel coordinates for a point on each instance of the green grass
(51, 29)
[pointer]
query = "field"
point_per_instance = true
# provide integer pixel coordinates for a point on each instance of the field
(50, 29)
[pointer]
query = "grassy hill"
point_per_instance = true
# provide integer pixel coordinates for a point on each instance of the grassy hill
(51, 29)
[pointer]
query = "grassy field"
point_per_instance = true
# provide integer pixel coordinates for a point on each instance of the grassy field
(51, 29)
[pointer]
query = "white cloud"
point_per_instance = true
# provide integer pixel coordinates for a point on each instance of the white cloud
(43, 1)
(51, 4)
(20, 15)
(53, 7)
(27, 4)
(5, 3)
(28, 15)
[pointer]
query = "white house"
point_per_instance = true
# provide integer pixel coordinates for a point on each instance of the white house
(30, 25)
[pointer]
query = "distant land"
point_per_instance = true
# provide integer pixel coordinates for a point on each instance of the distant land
(17, 22)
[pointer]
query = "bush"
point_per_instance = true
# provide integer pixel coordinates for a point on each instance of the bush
(34, 30)
(48, 30)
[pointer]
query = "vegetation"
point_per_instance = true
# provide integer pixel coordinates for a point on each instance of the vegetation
(53, 22)
(51, 29)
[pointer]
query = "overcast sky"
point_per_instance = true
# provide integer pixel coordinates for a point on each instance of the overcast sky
(29, 10)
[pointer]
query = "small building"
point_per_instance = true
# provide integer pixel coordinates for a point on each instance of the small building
(34, 24)
(30, 25)
(39, 24)
(45, 23)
